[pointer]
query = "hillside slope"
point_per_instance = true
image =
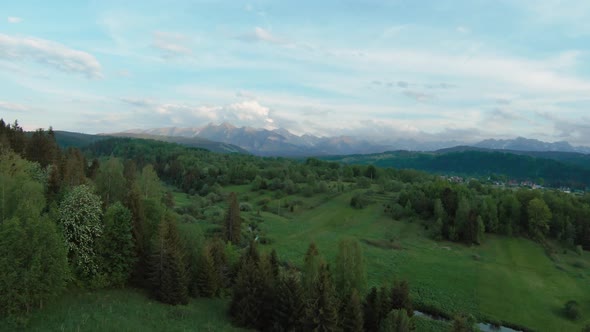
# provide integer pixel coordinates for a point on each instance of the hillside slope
(480, 163)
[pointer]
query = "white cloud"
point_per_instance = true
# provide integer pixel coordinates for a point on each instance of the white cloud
(261, 35)
(49, 53)
(171, 43)
(14, 19)
(12, 107)
(242, 113)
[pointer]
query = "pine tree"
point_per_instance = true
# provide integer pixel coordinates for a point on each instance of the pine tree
(167, 274)
(290, 305)
(400, 296)
(233, 221)
(134, 203)
(267, 296)
(207, 281)
(311, 266)
(42, 148)
(384, 302)
(322, 307)
(274, 263)
(371, 311)
(73, 168)
(245, 305)
(216, 250)
(352, 317)
(396, 321)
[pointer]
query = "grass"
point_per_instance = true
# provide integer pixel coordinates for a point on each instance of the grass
(127, 310)
(429, 325)
(505, 279)
(181, 199)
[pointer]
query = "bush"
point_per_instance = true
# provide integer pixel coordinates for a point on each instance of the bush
(579, 265)
(263, 201)
(359, 201)
(572, 310)
(245, 207)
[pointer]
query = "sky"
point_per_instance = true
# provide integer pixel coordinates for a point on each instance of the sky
(426, 70)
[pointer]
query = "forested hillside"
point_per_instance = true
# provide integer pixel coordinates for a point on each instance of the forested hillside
(285, 244)
(570, 170)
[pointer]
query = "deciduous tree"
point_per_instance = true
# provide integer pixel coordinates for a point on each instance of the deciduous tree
(80, 220)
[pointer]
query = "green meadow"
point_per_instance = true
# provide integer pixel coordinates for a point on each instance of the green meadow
(504, 279)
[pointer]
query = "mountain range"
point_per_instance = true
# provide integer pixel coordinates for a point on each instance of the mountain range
(281, 142)
(525, 144)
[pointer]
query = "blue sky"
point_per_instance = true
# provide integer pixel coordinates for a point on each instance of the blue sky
(429, 70)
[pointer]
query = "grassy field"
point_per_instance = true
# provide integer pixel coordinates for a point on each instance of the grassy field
(127, 310)
(505, 279)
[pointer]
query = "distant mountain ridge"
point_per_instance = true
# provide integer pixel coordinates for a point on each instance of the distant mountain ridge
(281, 142)
(265, 142)
(525, 144)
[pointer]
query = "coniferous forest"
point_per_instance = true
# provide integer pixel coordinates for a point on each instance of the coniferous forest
(180, 224)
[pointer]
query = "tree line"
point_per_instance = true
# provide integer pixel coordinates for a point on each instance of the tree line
(465, 213)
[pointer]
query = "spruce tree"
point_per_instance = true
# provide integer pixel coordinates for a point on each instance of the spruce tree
(311, 265)
(322, 305)
(352, 317)
(216, 250)
(290, 303)
(384, 302)
(168, 275)
(400, 296)
(134, 203)
(267, 294)
(233, 221)
(245, 305)
(396, 321)
(207, 281)
(274, 263)
(371, 311)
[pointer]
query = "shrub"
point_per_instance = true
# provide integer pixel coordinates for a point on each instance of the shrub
(572, 310)
(579, 265)
(263, 201)
(245, 207)
(359, 201)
